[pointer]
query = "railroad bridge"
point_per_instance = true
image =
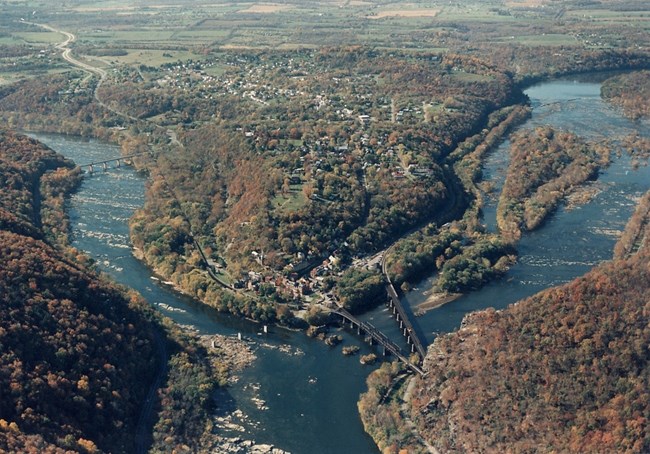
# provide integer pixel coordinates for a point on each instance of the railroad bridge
(401, 315)
(377, 336)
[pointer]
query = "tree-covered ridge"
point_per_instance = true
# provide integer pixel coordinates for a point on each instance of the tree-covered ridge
(637, 231)
(78, 354)
(544, 166)
(565, 370)
(22, 163)
(76, 358)
(630, 92)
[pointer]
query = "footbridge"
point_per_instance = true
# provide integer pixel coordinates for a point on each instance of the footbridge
(374, 335)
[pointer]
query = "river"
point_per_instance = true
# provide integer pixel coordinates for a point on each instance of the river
(310, 390)
(571, 241)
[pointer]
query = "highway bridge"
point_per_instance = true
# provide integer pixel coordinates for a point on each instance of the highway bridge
(112, 162)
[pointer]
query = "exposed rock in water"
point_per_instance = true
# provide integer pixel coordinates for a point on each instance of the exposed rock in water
(368, 359)
(333, 340)
(350, 350)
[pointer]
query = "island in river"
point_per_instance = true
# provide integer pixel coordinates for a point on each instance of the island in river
(277, 174)
(567, 369)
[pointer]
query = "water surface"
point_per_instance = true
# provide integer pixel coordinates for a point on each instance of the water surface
(310, 389)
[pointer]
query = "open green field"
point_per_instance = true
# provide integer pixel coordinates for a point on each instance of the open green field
(152, 57)
(156, 32)
(294, 200)
(43, 37)
(553, 39)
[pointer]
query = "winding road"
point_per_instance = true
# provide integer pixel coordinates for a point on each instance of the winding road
(66, 53)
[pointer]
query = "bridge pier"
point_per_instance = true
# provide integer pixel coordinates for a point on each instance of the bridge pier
(401, 324)
(118, 163)
(90, 168)
(105, 166)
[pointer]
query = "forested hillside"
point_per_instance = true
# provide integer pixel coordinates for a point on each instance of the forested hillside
(565, 370)
(630, 92)
(77, 354)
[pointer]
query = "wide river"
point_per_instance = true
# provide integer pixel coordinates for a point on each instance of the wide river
(309, 389)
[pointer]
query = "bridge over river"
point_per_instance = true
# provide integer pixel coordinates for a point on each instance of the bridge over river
(377, 336)
(112, 162)
(402, 316)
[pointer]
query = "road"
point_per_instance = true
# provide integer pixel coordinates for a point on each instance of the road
(66, 53)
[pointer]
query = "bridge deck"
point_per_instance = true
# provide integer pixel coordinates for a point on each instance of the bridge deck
(379, 337)
(401, 311)
(408, 326)
(119, 158)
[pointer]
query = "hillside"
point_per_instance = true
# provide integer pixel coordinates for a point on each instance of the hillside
(629, 92)
(566, 370)
(77, 354)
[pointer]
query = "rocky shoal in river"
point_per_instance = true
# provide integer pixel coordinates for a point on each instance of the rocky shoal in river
(238, 445)
(234, 353)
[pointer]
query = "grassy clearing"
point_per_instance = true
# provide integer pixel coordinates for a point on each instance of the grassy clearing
(266, 8)
(469, 77)
(216, 70)
(293, 201)
(131, 36)
(203, 35)
(39, 37)
(540, 40)
(7, 78)
(406, 13)
(152, 57)
(224, 277)
(472, 13)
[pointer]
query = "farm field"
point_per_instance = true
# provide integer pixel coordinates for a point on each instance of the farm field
(415, 25)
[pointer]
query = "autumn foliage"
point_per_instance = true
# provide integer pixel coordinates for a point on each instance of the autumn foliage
(566, 370)
(630, 92)
(78, 354)
(545, 166)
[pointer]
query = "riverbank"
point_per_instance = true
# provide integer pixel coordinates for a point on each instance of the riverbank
(569, 244)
